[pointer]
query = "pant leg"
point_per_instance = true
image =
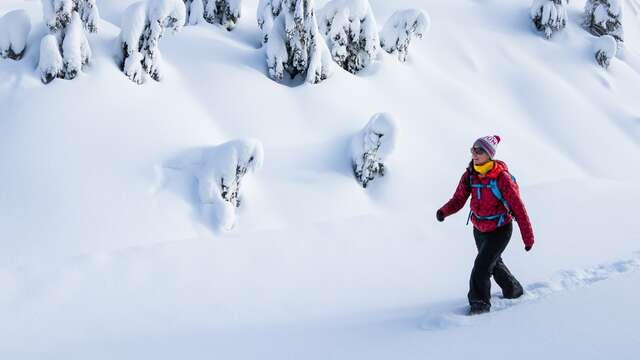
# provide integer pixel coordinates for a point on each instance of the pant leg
(490, 247)
(511, 287)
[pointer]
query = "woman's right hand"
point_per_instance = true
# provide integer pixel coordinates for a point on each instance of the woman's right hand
(440, 215)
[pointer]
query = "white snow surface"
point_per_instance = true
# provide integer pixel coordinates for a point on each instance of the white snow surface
(15, 27)
(105, 254)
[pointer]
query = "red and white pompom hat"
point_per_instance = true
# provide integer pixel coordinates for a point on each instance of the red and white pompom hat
(489, 144)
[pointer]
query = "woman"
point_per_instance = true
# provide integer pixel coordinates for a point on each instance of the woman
(495, 203)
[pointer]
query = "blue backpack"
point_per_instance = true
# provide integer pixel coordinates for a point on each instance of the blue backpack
(493, 186)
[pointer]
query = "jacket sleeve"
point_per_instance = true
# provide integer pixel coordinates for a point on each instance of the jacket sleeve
(509, 191)
(459, 197)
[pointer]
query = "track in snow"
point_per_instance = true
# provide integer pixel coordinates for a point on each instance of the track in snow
(454, 314)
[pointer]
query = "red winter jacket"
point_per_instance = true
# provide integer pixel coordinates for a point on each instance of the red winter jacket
(488, 204)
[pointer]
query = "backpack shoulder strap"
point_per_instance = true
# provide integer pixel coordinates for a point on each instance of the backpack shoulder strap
(493, 185)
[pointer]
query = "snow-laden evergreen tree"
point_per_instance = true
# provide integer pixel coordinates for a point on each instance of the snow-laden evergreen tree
(51, 63)
(68, 21)
(549, 16)
(371, 146)
(15, 27)
(401, 28)
(295, 45)
(351, 32)
(194, 11)
(268, 11)
(606, 49)
(143, 25)
(223, 12)
(220, 177)
(604, 17)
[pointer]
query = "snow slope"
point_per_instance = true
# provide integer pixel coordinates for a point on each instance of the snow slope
(106, 254)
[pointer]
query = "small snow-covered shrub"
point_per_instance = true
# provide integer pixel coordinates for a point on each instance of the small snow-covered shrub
(142, 28)
(295, 45)
(351, 33)
(371, 146)
(223, 168)
(268, 11)
(606, 49)
(604, 17)
(194, 11)
(75, 48)
(223, 12)
(50, 64)
(401, 28)
(549, 16)
(15, 27)
(69, 20)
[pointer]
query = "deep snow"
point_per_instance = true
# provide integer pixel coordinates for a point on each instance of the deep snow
(105, 253)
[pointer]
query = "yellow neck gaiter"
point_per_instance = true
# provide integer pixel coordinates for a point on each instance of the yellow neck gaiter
(484, 168)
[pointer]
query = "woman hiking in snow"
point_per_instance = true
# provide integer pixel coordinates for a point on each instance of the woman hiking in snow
(495, 202)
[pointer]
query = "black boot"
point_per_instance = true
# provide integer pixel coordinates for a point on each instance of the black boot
(514, 293)
(477, 308)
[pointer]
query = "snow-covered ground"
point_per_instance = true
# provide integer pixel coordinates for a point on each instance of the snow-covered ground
(106, 252)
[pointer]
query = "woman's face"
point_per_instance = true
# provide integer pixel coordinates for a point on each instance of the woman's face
(479, 156)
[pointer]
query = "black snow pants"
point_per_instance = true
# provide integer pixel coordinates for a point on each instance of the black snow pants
(489, 263)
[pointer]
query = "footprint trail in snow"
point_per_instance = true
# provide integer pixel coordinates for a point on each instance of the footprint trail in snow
(455, 314)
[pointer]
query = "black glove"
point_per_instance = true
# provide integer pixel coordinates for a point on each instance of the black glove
(440, 216)
(528, 247)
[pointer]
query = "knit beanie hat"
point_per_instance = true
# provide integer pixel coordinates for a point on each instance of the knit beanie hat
(489, 144)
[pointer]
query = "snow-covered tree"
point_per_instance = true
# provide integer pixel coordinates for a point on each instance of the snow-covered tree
(15, 27)
(68, 21)
(401, 28)
(223, 12)
(220, 177)
(194, 11)
(604, 17)
(51, 63)
(351, 33)
(58, 14)
(268, 11)
(606, 49)
(371, 146)
(143, 25)
(295, 45)
(549, 16)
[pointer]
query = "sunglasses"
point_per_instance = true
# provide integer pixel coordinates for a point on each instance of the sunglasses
(478, 150)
